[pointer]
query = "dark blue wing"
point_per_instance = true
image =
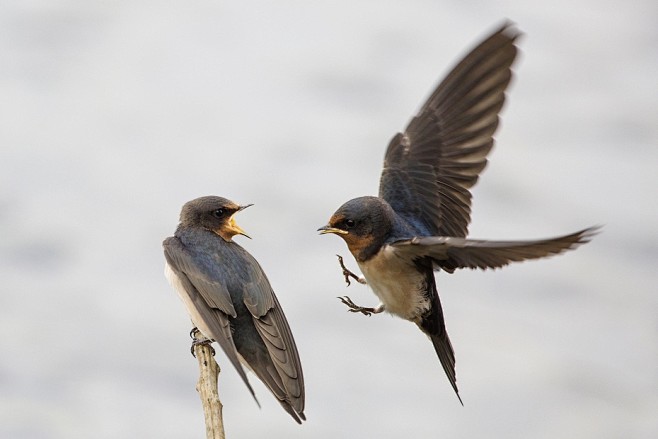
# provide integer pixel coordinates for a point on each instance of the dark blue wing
(201, 281)
(429, 169)
(450, 253)
(286, 381)
(231, 292)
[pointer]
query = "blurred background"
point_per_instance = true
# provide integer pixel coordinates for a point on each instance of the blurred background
(116, 113)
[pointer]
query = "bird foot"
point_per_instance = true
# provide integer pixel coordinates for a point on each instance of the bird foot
(200, 341)
(347, 273)
(194, 332)
(353, 307)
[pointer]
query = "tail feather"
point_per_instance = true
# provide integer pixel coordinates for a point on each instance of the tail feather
(433, 324)
(261, 364)
(446, 355)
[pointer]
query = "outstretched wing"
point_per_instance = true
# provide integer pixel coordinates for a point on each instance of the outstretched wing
(451, 253)
(429, 169)
(286, 381)
(200, 286)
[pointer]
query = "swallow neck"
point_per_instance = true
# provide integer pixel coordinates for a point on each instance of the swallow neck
(369, 247)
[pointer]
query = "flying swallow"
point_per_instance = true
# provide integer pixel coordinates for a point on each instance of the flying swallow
(230, 300)
(419, 222)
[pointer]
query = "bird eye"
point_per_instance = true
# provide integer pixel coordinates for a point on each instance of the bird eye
(218, 213)
(349, 223)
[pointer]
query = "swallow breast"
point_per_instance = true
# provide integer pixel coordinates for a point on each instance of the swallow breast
(398, 283)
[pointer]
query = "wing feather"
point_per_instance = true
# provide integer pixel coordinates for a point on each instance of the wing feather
(275, 332)
(449, 253)
(444, 148)
(196, 283)
(202, 272)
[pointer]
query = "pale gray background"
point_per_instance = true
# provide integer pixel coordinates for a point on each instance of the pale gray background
(113, 114)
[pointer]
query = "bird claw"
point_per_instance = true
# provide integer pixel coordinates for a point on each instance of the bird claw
(193, 333)
(347, 273)
(200, 342)
(353, 307)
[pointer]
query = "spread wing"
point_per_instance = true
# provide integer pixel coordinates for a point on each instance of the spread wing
(451, 253)
(201, 281)
(286, 380)
(429, 169)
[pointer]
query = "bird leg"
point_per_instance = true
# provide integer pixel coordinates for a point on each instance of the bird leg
(353, 307)
(196, 340)
(347, 273)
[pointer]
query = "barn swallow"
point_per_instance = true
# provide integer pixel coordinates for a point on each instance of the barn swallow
(230, 300)
(419, 222)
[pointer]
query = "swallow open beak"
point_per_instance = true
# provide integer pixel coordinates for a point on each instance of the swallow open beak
(231, 229)
(234, 229)
(328, 229)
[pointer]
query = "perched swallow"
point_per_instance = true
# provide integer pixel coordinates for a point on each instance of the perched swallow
(230, 300)
(419, 221)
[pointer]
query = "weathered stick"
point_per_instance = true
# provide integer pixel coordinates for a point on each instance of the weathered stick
(208, 391)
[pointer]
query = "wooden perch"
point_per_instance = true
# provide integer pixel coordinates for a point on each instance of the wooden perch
(208, 391)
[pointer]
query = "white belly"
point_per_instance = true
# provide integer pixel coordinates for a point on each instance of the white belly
(196, 318)
(397, 283)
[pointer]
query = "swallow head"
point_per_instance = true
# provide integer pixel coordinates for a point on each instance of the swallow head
(364, 224)
(214, 214)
